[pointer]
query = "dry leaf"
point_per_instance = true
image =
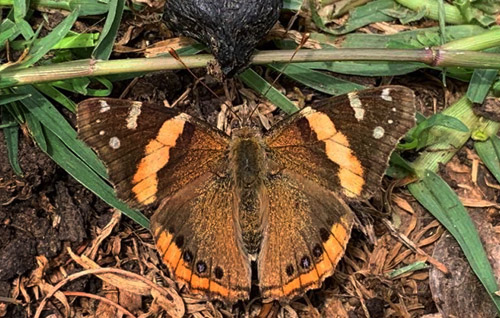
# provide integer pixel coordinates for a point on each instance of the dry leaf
(334, 308)
(105, 310)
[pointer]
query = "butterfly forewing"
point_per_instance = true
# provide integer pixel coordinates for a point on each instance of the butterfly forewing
(344, 142)
(144, 145)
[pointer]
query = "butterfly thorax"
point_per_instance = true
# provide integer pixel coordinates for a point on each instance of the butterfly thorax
(247, 157)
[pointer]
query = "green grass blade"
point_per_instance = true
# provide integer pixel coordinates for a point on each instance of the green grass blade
(480, 84)
(431, 7)
(260, 85)
(439, 199)
(319, 81)
(35, 129)
(416, 266)
(11, 135)
(8, 30)
(65, 158)
(399, 167)
(20, 9)
(104, 46)
(369, 13)
(292, 5)
(489, 152)
(9, 98)
(418, 38)
(40, 48)
(49, 117)
(72, 40)
(56, 95)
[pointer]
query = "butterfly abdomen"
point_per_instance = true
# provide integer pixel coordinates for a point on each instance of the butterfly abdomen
(247, 158)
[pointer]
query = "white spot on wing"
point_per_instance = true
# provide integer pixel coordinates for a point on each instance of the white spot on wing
(393, 109)
(390, 121)
(357, 106)
(114, 142)
(104, 106)
(386, 94)
(98, 121)
(133, 113)
(102, 132)
(378, 132)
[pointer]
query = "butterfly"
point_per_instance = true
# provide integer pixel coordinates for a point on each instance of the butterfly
(278, 199)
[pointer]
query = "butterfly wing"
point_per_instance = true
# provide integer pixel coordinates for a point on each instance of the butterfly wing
(320, 158)
(197, 236)
(150, 151)
(155, 154)
(306, 229)
(345, 142)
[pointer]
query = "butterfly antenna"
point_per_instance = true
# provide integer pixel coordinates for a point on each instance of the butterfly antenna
(176, 56)
(303, 41)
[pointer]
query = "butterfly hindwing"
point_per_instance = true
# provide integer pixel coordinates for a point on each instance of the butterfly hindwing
(198, 240)
(305, 233)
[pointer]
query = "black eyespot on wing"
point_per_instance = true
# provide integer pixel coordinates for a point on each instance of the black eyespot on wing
(179, 241)
(289, 270)
(219, 273)
(305, 262)
(201, 267)
(324, 234)
(317, 250)
(187, 256)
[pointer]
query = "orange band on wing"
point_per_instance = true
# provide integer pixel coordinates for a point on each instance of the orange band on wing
(157, 153)
(333, 249)
(338, 150)
(172, 257)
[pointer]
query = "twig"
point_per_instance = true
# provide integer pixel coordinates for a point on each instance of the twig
(103, 299)
(411, 245)
(94, 272)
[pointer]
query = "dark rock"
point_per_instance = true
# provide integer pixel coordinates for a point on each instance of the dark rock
(72, 227)
(229, 28)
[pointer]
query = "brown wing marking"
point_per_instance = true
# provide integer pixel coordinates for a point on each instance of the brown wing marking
(200, 242)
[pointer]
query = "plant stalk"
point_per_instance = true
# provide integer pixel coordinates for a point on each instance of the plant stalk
(82, 68)
(431, 9)
(486, 40)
